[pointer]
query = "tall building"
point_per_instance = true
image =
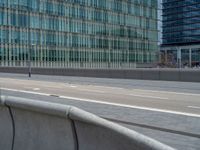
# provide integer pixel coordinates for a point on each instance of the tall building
(181, 29)
(78, 33)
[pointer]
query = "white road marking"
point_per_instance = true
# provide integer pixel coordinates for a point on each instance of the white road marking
(131, 106)
(110, 103)
(36, 89)
(168, 92)
(35, 83)
(89, 90)
(23, 91)
(194, 107)
(70, 85)
(147, 96)
(108, 87)
(74, 86)
(28, 87)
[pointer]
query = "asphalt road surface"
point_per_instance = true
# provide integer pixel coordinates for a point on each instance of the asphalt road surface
(166, 111)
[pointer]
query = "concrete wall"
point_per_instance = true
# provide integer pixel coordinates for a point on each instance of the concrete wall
(38, 131)
(6, 129)
(142, 74)
(49, 126)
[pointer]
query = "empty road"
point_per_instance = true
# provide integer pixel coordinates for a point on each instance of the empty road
(166, 111)
(175, 101)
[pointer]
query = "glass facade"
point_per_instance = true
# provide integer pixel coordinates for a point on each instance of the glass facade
(78, 33)
(181, 22)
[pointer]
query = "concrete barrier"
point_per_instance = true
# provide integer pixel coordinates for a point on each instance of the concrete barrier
(150, 74)
(6, 127)
(193, 75)
(100, 134)
(188, 75)
(41, 125)
(172, 75)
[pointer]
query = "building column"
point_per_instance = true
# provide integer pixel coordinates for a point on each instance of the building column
(159, 56)
(179, 59)
(135, 65)
(142, 56)
(190, 57)
(165, 55)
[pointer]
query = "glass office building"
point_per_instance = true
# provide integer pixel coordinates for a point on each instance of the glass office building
(78, 33)
(181, 22)
(181, 30)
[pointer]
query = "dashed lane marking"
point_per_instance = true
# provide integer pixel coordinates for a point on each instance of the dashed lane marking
(146, 96)
(195, 107)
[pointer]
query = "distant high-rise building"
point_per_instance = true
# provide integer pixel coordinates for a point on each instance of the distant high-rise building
(181, 22)
(78, 33)
(181, 28)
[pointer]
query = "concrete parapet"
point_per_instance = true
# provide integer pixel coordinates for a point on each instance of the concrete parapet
(188, 75)
(150, 74)
(109, 136)
(38, 131)
(42, 125)
(170, 75)
(192, 75)
(37, 106)
(6, 128)
(38, 125)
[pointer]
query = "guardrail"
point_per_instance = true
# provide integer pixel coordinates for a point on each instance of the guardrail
(185, 75)
(29, 125)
